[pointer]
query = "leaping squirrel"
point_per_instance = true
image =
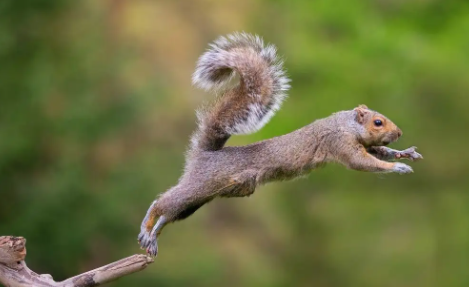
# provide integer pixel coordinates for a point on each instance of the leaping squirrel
(355, 138)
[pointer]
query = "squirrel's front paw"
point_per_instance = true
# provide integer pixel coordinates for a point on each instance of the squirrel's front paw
(402, 168)
(410, 154)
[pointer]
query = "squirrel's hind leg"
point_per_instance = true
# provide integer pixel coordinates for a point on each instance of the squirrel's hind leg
(149, 219)
(243, 184)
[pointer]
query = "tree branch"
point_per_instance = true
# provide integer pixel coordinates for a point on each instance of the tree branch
(15, 273)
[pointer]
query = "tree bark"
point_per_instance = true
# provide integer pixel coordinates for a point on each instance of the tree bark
(15, 273)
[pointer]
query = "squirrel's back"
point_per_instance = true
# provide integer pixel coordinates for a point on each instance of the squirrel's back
(246, 107)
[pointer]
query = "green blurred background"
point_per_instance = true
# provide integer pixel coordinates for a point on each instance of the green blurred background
(97, 108)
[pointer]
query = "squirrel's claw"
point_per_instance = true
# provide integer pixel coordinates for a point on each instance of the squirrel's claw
(152, 249)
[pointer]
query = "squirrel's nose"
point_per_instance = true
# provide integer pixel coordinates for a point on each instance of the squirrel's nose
(399, 133)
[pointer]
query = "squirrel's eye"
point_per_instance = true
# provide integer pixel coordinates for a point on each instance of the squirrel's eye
(378, 123)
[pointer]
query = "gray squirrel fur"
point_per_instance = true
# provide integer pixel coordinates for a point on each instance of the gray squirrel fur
(355, 138)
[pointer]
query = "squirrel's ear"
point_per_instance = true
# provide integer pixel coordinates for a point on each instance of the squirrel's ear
(361, 111)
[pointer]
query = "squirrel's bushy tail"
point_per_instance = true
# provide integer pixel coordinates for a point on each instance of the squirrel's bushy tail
(247, 107)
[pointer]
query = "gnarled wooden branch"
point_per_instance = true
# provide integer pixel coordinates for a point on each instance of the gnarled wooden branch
(14, 272)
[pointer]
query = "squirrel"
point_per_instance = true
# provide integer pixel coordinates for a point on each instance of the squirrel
(354, 138)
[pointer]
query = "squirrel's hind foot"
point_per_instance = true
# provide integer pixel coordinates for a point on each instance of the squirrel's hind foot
(148, 242)
(152, 249)
(144, 239)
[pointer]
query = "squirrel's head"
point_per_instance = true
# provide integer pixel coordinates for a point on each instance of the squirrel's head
(377, 129)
